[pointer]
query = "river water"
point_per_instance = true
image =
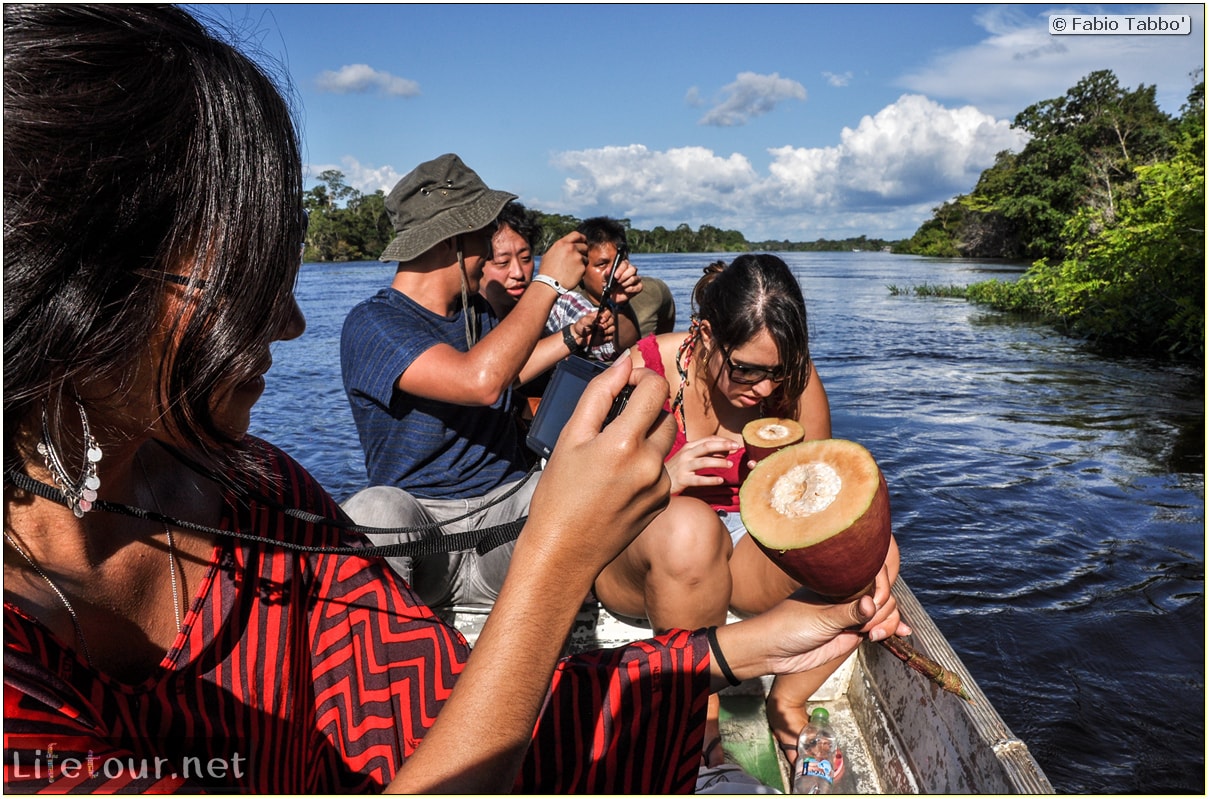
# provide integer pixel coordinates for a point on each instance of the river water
(1049, 502)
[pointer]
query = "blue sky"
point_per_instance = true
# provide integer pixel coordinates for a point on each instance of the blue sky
(783, 121)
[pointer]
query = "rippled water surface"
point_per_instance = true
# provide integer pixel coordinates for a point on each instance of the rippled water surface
(1049, 502)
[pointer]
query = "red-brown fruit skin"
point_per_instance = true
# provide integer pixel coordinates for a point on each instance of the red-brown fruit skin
(755, 452)
(846, 564)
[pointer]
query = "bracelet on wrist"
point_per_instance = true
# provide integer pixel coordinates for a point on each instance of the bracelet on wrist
(711, 635)
(546, 280)
(569, 339)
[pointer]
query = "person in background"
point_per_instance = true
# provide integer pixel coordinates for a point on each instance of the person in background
(178, 592)
(606, 240)
(507, 273)
(654, 307)
(509, 269)
(429, 371)
(745, 356)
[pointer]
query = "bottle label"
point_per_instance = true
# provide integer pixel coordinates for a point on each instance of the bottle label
(816, 768)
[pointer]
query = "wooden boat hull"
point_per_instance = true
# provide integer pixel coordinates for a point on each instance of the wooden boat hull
(901, 733)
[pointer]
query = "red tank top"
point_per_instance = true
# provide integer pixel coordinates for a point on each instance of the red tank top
(719, 497)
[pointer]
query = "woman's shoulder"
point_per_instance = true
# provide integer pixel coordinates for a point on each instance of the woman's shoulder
(284, 483)
(650, 349)
(277, 461)
(668, 343)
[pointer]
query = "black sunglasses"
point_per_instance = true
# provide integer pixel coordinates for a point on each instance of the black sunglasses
(750, 375)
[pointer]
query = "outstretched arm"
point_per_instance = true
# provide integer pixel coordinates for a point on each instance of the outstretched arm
(576, 526)
(797, 635)
(494, 363)
(554, 347)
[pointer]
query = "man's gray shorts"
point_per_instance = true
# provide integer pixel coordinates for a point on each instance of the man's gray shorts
(447, 579)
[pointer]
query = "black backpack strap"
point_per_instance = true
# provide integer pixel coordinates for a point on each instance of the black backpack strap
(481, 541)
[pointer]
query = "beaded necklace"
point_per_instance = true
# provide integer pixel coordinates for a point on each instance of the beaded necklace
(683, 355)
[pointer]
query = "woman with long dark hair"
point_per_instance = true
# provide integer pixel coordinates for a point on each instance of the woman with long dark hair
(746, 356)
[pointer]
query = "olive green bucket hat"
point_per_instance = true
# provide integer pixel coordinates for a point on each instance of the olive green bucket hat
(436, 201)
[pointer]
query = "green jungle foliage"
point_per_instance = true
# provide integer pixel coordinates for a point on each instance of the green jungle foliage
(1082, 154)
(1108, 200)
(358, 231)
(1129, 268)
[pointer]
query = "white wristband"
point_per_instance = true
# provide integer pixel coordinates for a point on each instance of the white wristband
(551, 282)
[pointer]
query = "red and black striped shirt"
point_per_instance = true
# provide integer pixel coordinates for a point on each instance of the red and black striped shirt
(319, 672)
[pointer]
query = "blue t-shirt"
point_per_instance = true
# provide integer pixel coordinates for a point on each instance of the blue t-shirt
(430, 449)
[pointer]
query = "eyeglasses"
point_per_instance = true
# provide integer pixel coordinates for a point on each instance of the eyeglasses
(750, 375)
(200, 283)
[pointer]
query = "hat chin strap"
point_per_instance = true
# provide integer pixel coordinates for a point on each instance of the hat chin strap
(472, 333)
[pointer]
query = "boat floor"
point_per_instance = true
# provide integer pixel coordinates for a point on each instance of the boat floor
(748, 740)
(900, 732)
(746, 737)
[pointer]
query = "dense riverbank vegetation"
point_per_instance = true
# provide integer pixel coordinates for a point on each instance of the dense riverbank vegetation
(1108, 200)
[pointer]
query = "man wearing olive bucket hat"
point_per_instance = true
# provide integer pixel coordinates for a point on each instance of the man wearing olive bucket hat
(429, 369)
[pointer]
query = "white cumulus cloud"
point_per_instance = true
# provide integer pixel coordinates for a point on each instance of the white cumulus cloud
(362, 78)
(1019, 63)
(751, 95)
(838, 79)
(881, 178)
(634, 179)
(910, 151)
(365, 179)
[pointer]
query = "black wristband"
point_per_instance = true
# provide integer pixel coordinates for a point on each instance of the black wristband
(711, 635)
(569, 340)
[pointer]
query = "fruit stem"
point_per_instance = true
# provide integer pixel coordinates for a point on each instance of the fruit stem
(926, 666)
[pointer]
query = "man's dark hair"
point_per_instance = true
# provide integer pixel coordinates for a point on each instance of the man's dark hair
(523, 221)
(604, 230)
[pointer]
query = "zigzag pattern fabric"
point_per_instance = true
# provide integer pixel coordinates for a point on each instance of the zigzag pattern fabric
(320, 673)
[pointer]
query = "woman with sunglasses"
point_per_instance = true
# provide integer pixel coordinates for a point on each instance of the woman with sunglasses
(746, 356)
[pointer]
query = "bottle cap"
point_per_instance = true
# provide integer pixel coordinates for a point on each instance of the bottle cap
(820, 716)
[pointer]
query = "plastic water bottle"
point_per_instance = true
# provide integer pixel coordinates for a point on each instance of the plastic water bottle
(820, 762)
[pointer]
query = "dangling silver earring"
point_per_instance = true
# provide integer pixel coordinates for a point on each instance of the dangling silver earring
(80, 493)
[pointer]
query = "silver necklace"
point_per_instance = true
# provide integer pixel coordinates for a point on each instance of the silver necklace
(176, 601)
(71, 611)
(75, 621)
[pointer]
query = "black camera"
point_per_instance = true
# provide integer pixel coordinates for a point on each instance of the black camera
(567, 384)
